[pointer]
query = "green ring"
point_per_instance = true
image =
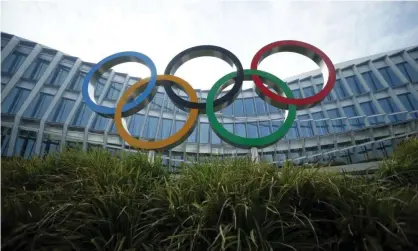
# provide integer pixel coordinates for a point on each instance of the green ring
(244, 142)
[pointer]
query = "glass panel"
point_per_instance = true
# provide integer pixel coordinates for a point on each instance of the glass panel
(114, 91)
(264, 128)
(100, 123)
(82, 116)
(389, 107)
(238, 108)
(169, 106)
(165, 130)
(150, 129)
(41, 104)
(58, 75)
(410, 103)
(12, 63)
(204, 133)
(14, 101)
(355, 123)
(252, 130)
(408, 72)
(297, 93)
(215, 138)
(338, 125)
(77, 81)
(354, 83)
(372, 81)
(309, 91)
(240, 129)
(228, 111)
(390, 76)
(35, 70)
(135, 125)
(306, 128)
(25, 144)
(157, 102)
(260, 106)
(62, 111)
(5, 138)
(249, 106)
(328, 97)
(340, 90)
(193, 136)
(50, 146)
(369, 110)
(229, 127)
(100, 83)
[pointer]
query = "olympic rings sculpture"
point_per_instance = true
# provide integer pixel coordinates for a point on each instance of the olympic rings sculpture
(143, 91)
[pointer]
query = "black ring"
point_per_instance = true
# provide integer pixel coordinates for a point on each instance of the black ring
(201, 51)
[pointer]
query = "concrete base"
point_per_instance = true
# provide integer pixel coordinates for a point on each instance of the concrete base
(151, 156)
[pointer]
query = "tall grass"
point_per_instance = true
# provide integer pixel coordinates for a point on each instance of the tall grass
(93, 201)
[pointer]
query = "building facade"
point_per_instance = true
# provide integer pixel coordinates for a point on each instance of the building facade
(373, 106)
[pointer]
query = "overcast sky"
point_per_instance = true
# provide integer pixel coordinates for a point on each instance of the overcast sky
(92, 30)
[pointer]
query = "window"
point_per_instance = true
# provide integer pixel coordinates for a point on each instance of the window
(369, 110)
(215, 138)
(229, 127)
(135, 125)
(340, 90)
(328, 97)
(305, 126)
(260, 106)
(5, 138)
(321, 125)
(355, 84)
(100, 84)
(252, 130)
(272, 109)
(39, 107)
(62, 111)
(372, 80)
(297, 93)
(350, 112)
(14, 100)
(408, 71)
(390, 76)
(204, 133)
(410, 103)
(264, 128)
(238, 108)
(114, 91)
(240, 130)
(150, 129)
(50, 146)
(58, 76)
(169, 106)
(389, 107)
(308, 91)
(337, 124)
(12, 63)
(165, 130)
(100, 123)
(228, 111)
(25, 144)
(82, 116)
(35, 70)
(249, 106)
(193, 135)
(157, 102)
(4, 41)
(77, 81)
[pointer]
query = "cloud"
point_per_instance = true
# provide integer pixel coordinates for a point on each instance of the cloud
(93, 30)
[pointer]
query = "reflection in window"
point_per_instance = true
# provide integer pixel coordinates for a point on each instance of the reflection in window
(264, 128)
(39, 107)
(215, 138)
(169, 106)
(82, 116)
(229, 127)
(321, 125)
(238, 108)
(240, 129)
(204, 133)
(77, 81)
(297, 93)
(49, 146)
(408, 71)
(150, 128)
(369, 110)
(252, 130)
(25, 144)
(157, 102)
(305, 125)
(389, 107)
(410, 103)
(100, 123)
(260, 106)
(14, 100)
(62, 110)
(390, 76)
(12, 63)
(308, 91)
(338, 124)
(372, 80)
(114, 91)
(58, 76)
(249, 106)
(36, 70)
(193, 136)
(350, 112)
(340, 90)
(100, 83)
(135, 125)
(355, 84)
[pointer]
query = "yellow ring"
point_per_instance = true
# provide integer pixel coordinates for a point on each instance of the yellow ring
(176, 138)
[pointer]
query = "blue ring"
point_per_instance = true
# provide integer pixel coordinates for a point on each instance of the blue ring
(109, 62)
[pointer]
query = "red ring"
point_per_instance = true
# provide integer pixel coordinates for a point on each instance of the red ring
(312, 52)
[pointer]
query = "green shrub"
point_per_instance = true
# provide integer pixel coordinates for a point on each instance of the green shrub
(93, 201)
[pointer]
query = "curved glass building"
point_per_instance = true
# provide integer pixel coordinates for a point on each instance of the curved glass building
(373, 106)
